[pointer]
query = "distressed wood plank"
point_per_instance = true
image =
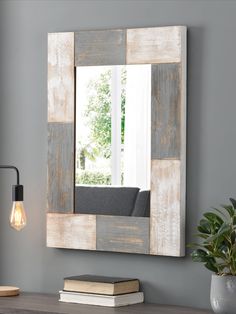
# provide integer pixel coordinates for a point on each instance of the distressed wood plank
(104, 47)
(165, 111)
(71, 231)
(61, 77)
(60, 167)
(123, 234)
(166, 209)
(154, 45)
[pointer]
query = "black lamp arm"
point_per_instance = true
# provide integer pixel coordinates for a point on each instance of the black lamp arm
(17, 190)
(14, 168)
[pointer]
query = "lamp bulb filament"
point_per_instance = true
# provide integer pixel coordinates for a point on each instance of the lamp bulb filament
(17, 216)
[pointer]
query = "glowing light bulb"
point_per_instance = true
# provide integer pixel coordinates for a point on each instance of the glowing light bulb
(17, 216)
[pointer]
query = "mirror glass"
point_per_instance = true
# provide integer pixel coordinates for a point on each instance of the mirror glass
(113, 128)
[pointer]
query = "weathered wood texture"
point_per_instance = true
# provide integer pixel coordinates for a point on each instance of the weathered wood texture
(154, 45)
(138, 46)
(61, 108)
(168, 170)
(165, 111)
(166, 209)
(60, 167)
(123, 234)
(61, 77)
(48, 303)
(105, 47)
(71, 231)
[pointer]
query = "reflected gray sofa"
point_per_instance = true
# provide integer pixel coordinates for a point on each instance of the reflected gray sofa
(115, 201)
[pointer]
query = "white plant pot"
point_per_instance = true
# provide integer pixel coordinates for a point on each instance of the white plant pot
(223, 294)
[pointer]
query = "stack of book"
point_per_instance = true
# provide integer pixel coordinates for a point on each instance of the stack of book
(99, 290)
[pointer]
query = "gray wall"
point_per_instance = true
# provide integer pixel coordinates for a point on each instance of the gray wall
(211, 179)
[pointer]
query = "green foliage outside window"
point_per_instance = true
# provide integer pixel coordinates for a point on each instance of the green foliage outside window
(98, 112)
(98, 115)
(94, 178)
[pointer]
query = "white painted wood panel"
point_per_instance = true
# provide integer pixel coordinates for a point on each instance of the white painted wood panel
(154, 45)
(166, 209)
(61, 77)
(71, 231)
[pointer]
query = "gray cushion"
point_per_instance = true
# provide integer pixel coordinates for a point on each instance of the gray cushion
(115, 201)
(142, 204)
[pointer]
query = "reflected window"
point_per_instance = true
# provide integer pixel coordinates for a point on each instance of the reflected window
(113, 125)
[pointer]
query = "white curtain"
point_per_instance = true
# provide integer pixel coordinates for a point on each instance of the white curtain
(137, 141)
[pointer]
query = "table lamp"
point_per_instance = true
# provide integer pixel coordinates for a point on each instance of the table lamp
(17, 220)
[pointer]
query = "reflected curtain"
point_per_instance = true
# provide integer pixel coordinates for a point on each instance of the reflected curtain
(137, 139)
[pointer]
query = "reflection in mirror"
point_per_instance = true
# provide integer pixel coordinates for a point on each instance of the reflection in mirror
(113, 138)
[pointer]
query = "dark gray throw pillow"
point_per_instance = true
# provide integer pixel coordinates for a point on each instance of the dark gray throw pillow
(115, 201)
(142, 205)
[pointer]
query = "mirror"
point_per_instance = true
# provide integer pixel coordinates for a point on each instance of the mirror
(113, 138)
(117, 140)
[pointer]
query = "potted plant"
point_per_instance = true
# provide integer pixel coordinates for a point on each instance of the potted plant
(217, 250)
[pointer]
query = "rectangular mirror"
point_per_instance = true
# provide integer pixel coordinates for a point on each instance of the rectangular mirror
(113, 140)
(117, 140)
(113, 125)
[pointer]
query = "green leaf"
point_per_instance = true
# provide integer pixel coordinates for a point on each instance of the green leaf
(233, 202)
(200, 235)
(215, 221)
(211, 266)
(217, 248)
(203, 230)
(212, 217)
(233, 237)
(222, 266)
(219, 211)
(224, 249)
(199, 255)
(224, 228)
(195, 245)
(222, 231)
(229, 209)
(205, 226)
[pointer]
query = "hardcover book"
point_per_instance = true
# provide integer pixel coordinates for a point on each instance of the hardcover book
(101, 284)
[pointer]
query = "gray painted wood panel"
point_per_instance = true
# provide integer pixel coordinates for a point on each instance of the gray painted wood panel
(123, 234)
(60, 167)
(165, 111)
(106, 47)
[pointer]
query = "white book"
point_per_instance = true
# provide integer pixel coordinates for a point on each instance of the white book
(101, 299)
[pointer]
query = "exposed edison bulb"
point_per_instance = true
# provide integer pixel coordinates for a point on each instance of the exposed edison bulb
(17, 216)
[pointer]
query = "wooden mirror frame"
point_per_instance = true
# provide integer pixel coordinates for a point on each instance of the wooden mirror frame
(165, 49)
